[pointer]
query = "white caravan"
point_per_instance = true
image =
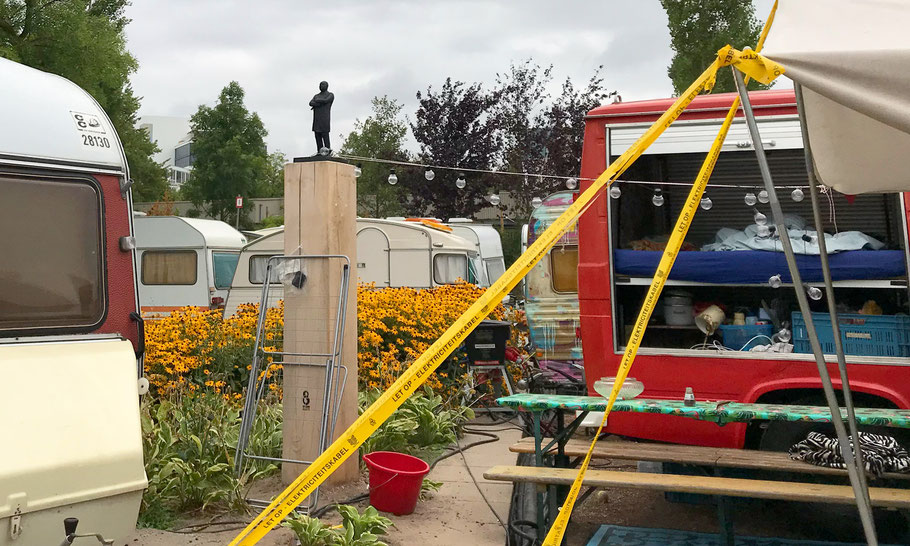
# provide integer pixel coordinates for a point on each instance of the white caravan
(390, 253)
(489, 263)
(70, 334)
(184, 262)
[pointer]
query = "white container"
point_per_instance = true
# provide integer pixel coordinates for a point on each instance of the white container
(678, 310)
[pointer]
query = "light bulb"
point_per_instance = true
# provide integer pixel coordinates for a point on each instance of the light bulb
(814, 292)
(775, 281)
(429, 174)
(615, 192)
(760, 218)
(536, 202)
(393, 178)
(763, 196)
(784, 335)
(797, 195)
(571, 183)
(324, 151)
(460, 182)
(494, 199)
(706, 203)
(763, 230)
(658, 198)
(357, 171)
(750, 199)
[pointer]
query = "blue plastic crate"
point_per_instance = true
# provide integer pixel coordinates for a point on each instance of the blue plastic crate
(862, 335)
(741, 337)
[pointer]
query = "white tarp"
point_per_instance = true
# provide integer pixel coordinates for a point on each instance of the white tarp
(852, 59)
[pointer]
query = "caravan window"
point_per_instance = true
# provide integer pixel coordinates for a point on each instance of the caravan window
(564, 268)
(448, 268)
(258, 265)
(169, 267)
(224, 264)
(495, 269)
(51, 273)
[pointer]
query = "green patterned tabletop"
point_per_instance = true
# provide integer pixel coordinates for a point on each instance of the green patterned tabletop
(718, 412)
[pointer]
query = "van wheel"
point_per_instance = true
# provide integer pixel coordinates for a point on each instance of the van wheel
(781, 435)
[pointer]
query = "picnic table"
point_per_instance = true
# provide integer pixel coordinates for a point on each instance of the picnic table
(553, 456)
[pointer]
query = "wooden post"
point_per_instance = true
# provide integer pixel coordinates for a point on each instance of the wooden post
(320, 214)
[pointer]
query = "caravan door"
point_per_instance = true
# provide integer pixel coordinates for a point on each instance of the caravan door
(373, 257)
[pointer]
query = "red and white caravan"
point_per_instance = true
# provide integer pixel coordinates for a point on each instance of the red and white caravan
(70, 334)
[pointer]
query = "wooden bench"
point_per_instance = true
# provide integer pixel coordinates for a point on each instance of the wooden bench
(700, 484)
(694, 455)
(707, 485)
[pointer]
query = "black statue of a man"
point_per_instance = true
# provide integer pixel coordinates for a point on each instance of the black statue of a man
(322, 113)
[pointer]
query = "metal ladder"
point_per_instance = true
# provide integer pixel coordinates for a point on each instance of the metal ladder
(329, 360)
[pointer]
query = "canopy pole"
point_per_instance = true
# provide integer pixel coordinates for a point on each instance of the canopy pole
(829, 290)
(864, 508)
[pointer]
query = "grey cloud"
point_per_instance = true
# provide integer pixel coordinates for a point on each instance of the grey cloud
(280, 49)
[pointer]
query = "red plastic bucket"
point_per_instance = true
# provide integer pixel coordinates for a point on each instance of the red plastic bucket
(395, 480)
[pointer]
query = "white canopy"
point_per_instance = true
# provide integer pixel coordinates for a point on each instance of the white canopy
(852, 59)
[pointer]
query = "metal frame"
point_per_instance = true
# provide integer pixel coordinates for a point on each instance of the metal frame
(331, 361)
(853, 461)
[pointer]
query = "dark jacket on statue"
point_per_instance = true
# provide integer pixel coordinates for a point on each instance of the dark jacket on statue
(322, 111)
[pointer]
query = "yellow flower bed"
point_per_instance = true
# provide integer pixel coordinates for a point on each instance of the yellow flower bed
(195, 350)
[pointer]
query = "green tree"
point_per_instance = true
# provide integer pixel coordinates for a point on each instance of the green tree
(84, 41)
(231, 157)
(698, 28)
(273, 184)
(381, 135)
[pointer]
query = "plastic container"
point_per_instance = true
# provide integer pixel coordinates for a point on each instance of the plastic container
(740, 337)
(862, 335)
(395, 480)
(678, 309)
(631, 387)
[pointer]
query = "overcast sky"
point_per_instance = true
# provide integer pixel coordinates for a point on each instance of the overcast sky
(279, 51)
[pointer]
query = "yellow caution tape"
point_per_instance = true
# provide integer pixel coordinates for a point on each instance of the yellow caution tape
(748, 64)
(418, 372)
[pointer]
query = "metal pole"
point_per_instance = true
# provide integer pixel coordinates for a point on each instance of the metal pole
(865, 511)
(249, 406)
(829, 289)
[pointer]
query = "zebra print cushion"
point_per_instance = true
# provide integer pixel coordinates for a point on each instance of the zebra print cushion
(881, 453)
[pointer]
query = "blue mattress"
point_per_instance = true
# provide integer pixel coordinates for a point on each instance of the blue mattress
(757, 266)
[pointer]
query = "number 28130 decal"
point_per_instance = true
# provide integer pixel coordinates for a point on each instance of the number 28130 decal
(95, 141)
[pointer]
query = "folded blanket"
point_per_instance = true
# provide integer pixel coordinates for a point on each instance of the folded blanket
(881, 453)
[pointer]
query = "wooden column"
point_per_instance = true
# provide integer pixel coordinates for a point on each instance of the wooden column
(320, 213)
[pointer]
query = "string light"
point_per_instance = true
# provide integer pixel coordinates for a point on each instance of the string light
(536, 202)
(658, 198)
(775, 281)
(706, 203)
(763, 196)
(460, 182)
(814, 292)
(615, 192)
(797, 195)
(494, 199)
(760, 218)
(357, 171)
(571, 182)
(393, 178)
(429, 174)
(784, 335)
